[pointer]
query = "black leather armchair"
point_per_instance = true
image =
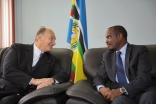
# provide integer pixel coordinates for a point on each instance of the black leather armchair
(52, 94)
(83, 92)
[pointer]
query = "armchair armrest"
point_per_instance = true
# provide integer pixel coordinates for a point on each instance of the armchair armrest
(83, 90)
(46, 92)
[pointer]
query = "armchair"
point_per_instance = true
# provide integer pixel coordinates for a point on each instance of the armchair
(83, 92)
(52, 94)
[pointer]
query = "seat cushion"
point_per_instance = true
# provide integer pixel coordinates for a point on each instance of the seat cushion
(76, 101)
(61, 99)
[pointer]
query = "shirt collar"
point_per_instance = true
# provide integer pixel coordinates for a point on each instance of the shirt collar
(123, 49)
(37, 51)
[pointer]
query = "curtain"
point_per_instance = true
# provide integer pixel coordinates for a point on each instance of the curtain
(7, 30)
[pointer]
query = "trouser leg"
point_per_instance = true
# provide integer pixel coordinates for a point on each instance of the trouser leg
(123, 99)
(148, 98)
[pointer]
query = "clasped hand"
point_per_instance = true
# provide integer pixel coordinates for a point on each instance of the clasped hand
(43, 82)
(110, 94)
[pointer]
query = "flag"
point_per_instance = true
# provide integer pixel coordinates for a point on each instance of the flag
(77, 37)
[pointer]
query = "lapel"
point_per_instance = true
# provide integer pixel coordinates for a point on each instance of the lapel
(127, 58)
(111, 65)
(114, 65)
(29, 56)
(43, 59)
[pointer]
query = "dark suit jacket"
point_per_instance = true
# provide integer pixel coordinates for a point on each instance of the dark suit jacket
(137, 67)
(18, 70)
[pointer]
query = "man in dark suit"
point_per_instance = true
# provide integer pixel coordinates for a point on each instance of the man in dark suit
(30, 67)
(127, 69)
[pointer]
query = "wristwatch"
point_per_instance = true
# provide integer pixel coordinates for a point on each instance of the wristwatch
(123, 90)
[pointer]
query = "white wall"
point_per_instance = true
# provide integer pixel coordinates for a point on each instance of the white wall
(137, 16)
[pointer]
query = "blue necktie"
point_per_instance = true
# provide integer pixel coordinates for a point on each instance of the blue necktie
(120, 70)
(39, 58)
(41, 54)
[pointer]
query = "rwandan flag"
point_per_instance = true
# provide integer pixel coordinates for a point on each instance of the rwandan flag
(77, 37)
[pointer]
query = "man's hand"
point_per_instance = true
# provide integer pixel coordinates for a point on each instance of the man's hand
(105, 92)
(43, 85)
(110, 94)
(37, 82)
(114, 93)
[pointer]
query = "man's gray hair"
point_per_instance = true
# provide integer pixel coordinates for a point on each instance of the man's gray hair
(40, 31)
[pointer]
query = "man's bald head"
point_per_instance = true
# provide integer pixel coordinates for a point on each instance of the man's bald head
(45, 39)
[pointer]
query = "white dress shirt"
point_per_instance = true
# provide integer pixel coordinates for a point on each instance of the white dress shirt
(36, 55)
